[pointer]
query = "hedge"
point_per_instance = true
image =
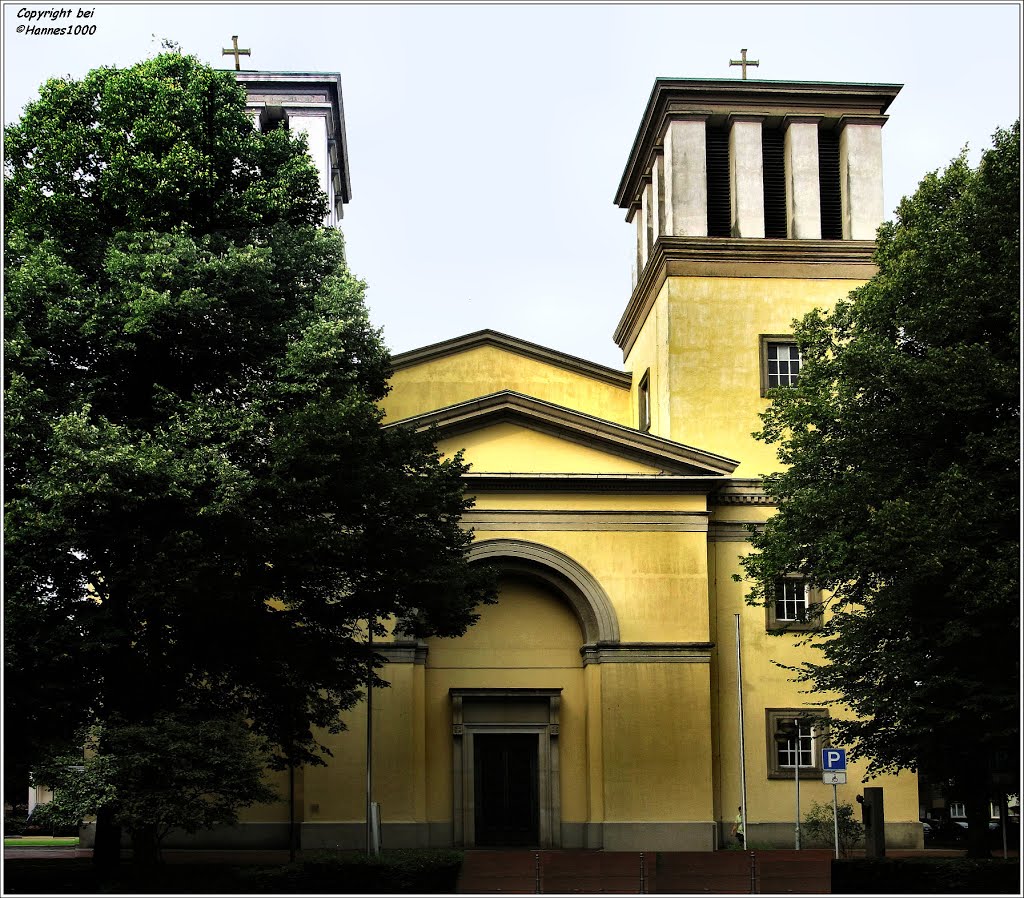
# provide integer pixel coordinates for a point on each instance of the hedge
(933, 876)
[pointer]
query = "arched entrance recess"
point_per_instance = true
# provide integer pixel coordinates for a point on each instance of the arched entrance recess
(571, 579)
(507, 737)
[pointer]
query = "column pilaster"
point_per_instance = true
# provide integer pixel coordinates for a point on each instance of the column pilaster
(860, 173)
(647, 215)
(658, 196)
(803, 193)
(686, 177)
(746, 174)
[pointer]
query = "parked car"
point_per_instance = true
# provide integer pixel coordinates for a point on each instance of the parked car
(954, 833)
(944, 833)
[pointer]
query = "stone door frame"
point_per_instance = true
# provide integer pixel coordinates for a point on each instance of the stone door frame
(463, 780)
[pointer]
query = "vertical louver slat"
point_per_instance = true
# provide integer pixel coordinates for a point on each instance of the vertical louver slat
(774, 166)
(828, 178)
(719, 204)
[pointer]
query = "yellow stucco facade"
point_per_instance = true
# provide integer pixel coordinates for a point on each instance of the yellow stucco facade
(596, 704)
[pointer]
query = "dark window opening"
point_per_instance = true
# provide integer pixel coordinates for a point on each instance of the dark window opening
(828, 179)
(774, 167)
(719, 199)
(272, 117)
(644, 402)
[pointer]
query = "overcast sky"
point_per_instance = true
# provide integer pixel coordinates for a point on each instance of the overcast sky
(486, 142)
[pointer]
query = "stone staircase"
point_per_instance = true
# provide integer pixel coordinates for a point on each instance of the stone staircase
(523, 872)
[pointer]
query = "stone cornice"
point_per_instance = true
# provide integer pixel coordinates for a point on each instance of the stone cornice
(589, 520)
(564, 423)
(731, 531)
(741, 491)
(740, 257)
(718, 98)
(534, 351)
(647, 653)
(524, 481)
(402, 652)
(509, 692)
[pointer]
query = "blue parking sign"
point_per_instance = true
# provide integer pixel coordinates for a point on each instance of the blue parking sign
(833, 759)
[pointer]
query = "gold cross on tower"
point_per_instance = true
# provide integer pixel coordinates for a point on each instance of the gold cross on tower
(237, 53)
(743, 62)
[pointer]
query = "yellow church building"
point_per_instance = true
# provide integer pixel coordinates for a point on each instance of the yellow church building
(596, 705)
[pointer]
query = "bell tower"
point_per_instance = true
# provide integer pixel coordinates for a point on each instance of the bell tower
(753, 202)
(309, 103)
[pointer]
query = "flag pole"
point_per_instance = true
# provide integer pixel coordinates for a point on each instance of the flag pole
(739, 704)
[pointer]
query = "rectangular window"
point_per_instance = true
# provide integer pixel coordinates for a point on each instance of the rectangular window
(957, 809)
(781, 362)
(783, 365)
(799, 746)
(644, 402)
(790, 600)
(793, 606)
(795, 739)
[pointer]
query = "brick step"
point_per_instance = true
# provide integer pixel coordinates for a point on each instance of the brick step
(568, 872)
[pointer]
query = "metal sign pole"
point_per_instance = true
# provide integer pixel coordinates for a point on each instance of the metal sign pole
(369, 746)
(835, 815)
(739, 703)
(796, 778)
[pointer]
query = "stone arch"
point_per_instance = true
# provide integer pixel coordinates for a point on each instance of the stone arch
(588, 599)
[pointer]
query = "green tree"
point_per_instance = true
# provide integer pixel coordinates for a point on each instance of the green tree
(203, 507)
(900, 491)
(178, 771)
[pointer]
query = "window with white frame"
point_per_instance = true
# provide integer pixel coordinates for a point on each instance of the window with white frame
(790, 599)
(792, 605)
(795, 740)
(957, 809)
(781, 362)
(798, 748)
(783, 365)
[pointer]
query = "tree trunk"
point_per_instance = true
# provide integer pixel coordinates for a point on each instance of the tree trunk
(977, 819)
(145, 846)
(106, 852)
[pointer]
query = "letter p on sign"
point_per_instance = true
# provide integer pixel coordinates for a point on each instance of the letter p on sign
(833, 759)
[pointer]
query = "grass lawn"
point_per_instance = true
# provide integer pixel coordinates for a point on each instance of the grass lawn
(41, 842)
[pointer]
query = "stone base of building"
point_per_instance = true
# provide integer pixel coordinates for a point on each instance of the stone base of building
(609, 836)
(242, 836)
(782, 835)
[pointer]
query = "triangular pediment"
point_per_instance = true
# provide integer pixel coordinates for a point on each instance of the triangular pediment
(514, 346)
(478, 364)
(513, 433)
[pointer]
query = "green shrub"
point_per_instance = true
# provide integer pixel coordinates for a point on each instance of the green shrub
(819, 824)
(54, 820)
(922, 875)
(419, 871)
(15, 820)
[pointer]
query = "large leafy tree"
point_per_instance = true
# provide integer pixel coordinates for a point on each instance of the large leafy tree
(202, 507)
(174, 772)
(900, 491)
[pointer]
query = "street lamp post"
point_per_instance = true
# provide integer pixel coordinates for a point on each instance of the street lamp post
(371, 847)
(789, 735)
(796, 777)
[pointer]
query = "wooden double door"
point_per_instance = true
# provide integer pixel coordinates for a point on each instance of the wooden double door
(506, 789)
